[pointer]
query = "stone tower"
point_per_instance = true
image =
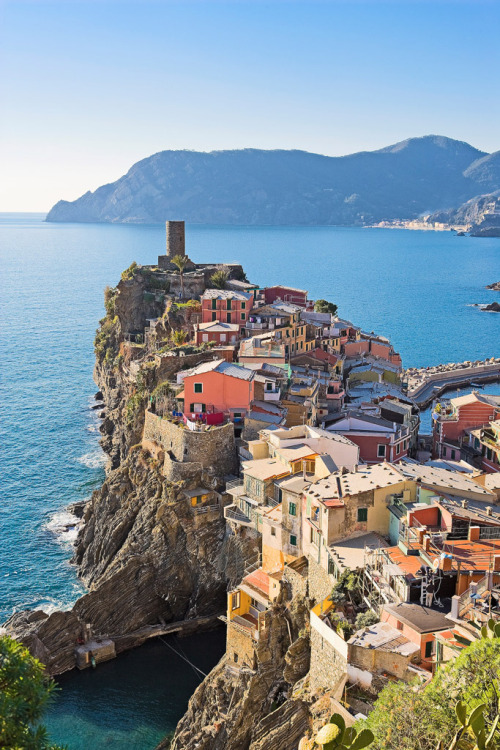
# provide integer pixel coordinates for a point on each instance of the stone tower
(176, 242)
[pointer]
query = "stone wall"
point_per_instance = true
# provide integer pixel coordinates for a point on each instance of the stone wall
(320, 583)
(240, 647)
(169, 365)
(211, 449)
(328, 661)
(379, 660)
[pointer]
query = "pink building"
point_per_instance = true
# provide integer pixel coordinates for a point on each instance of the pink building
(226, 306)
(373, 346)
(450, 421)
(378, 439)
(219, 386)
(418, 624)
(221, 333)
(285, 294)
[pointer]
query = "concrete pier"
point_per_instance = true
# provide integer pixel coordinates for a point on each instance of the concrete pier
(426, 384)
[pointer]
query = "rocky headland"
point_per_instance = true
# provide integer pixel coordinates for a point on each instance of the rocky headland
(251, 186)
(495, 287)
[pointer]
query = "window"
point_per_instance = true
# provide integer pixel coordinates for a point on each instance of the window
(205, 337)
(428, 649)
(453, 455)
(381, 451)
(293, 540)
(235, 602)
(214, 317)
(214, 304)
(228, 304)
(198, 387)
(243, 304)
(292, 509)
(273, 531)
(228, 316)
(222, 337)
(362, 514)
(243, 316)
(400, 625)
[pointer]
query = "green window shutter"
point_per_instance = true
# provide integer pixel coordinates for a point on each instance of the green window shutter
(214, 304)
(191, 407)
(292, 509)
(362, 514)
(198, 387)
(309, 506)
(293, 540)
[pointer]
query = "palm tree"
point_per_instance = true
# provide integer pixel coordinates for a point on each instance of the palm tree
(179, 337)
(180, 261)
(219, 278)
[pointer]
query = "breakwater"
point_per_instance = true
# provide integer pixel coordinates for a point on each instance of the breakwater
(427, 383)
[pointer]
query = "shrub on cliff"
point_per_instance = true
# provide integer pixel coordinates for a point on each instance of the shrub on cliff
(130, 272)
(24, 695)
(408, 718)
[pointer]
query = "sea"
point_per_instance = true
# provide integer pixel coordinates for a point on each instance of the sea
(416, 287)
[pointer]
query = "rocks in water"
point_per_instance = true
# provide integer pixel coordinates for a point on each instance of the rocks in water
(99, 396)
(493, 307)
(495, 286)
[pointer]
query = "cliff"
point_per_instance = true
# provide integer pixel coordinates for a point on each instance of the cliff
(146, 555)
(281, 187)
(481, 215)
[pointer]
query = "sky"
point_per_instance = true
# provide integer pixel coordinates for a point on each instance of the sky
(89, 88)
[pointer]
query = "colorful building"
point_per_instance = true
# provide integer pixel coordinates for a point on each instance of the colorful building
(452, 419)
(219, 387)
(226, 306)
(285, 294)
(219, 332)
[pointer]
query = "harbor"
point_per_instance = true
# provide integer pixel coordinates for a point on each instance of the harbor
(427, 383)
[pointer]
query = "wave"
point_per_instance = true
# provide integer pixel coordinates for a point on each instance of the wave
(94, 460)
(64, 526)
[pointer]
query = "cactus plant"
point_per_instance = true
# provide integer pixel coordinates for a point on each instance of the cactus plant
(472, 725)
(336, 736)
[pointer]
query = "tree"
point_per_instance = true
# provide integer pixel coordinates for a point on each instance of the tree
(24, 695)
(179, 337)
(364, 619)
(180, 262)
(322, 306)
(219, 278)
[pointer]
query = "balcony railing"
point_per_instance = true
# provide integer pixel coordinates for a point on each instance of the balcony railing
(233, 513)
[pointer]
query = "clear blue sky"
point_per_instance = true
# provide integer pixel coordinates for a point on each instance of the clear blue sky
(88, 88)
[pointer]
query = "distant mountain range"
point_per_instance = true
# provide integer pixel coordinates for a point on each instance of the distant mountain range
(251, 186)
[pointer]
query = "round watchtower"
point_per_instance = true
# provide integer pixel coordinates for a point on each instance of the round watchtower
(176, 243)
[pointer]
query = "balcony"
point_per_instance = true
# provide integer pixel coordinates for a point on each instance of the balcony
(234, 514)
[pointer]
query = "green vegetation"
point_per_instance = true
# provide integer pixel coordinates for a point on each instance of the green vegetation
(109, 301)
(364, 619)
(408, 718)
(24, 695)
(219, 279)
(180, 262)
(130, 272)
(336, 736)
(322, 306)
(347, 588)
(106, 340)
(178, 337)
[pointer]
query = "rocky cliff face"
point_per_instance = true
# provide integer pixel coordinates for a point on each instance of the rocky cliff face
(145, 554)
(481, 214)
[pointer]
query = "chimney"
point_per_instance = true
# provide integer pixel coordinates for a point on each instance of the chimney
(426, 542)
(420, 535)
(473, 535)
(445, 562)
(464, 503)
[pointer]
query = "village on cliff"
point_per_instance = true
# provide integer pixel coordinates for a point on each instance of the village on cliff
(300, 432)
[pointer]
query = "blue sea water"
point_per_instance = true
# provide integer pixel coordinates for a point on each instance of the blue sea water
(415, 287)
